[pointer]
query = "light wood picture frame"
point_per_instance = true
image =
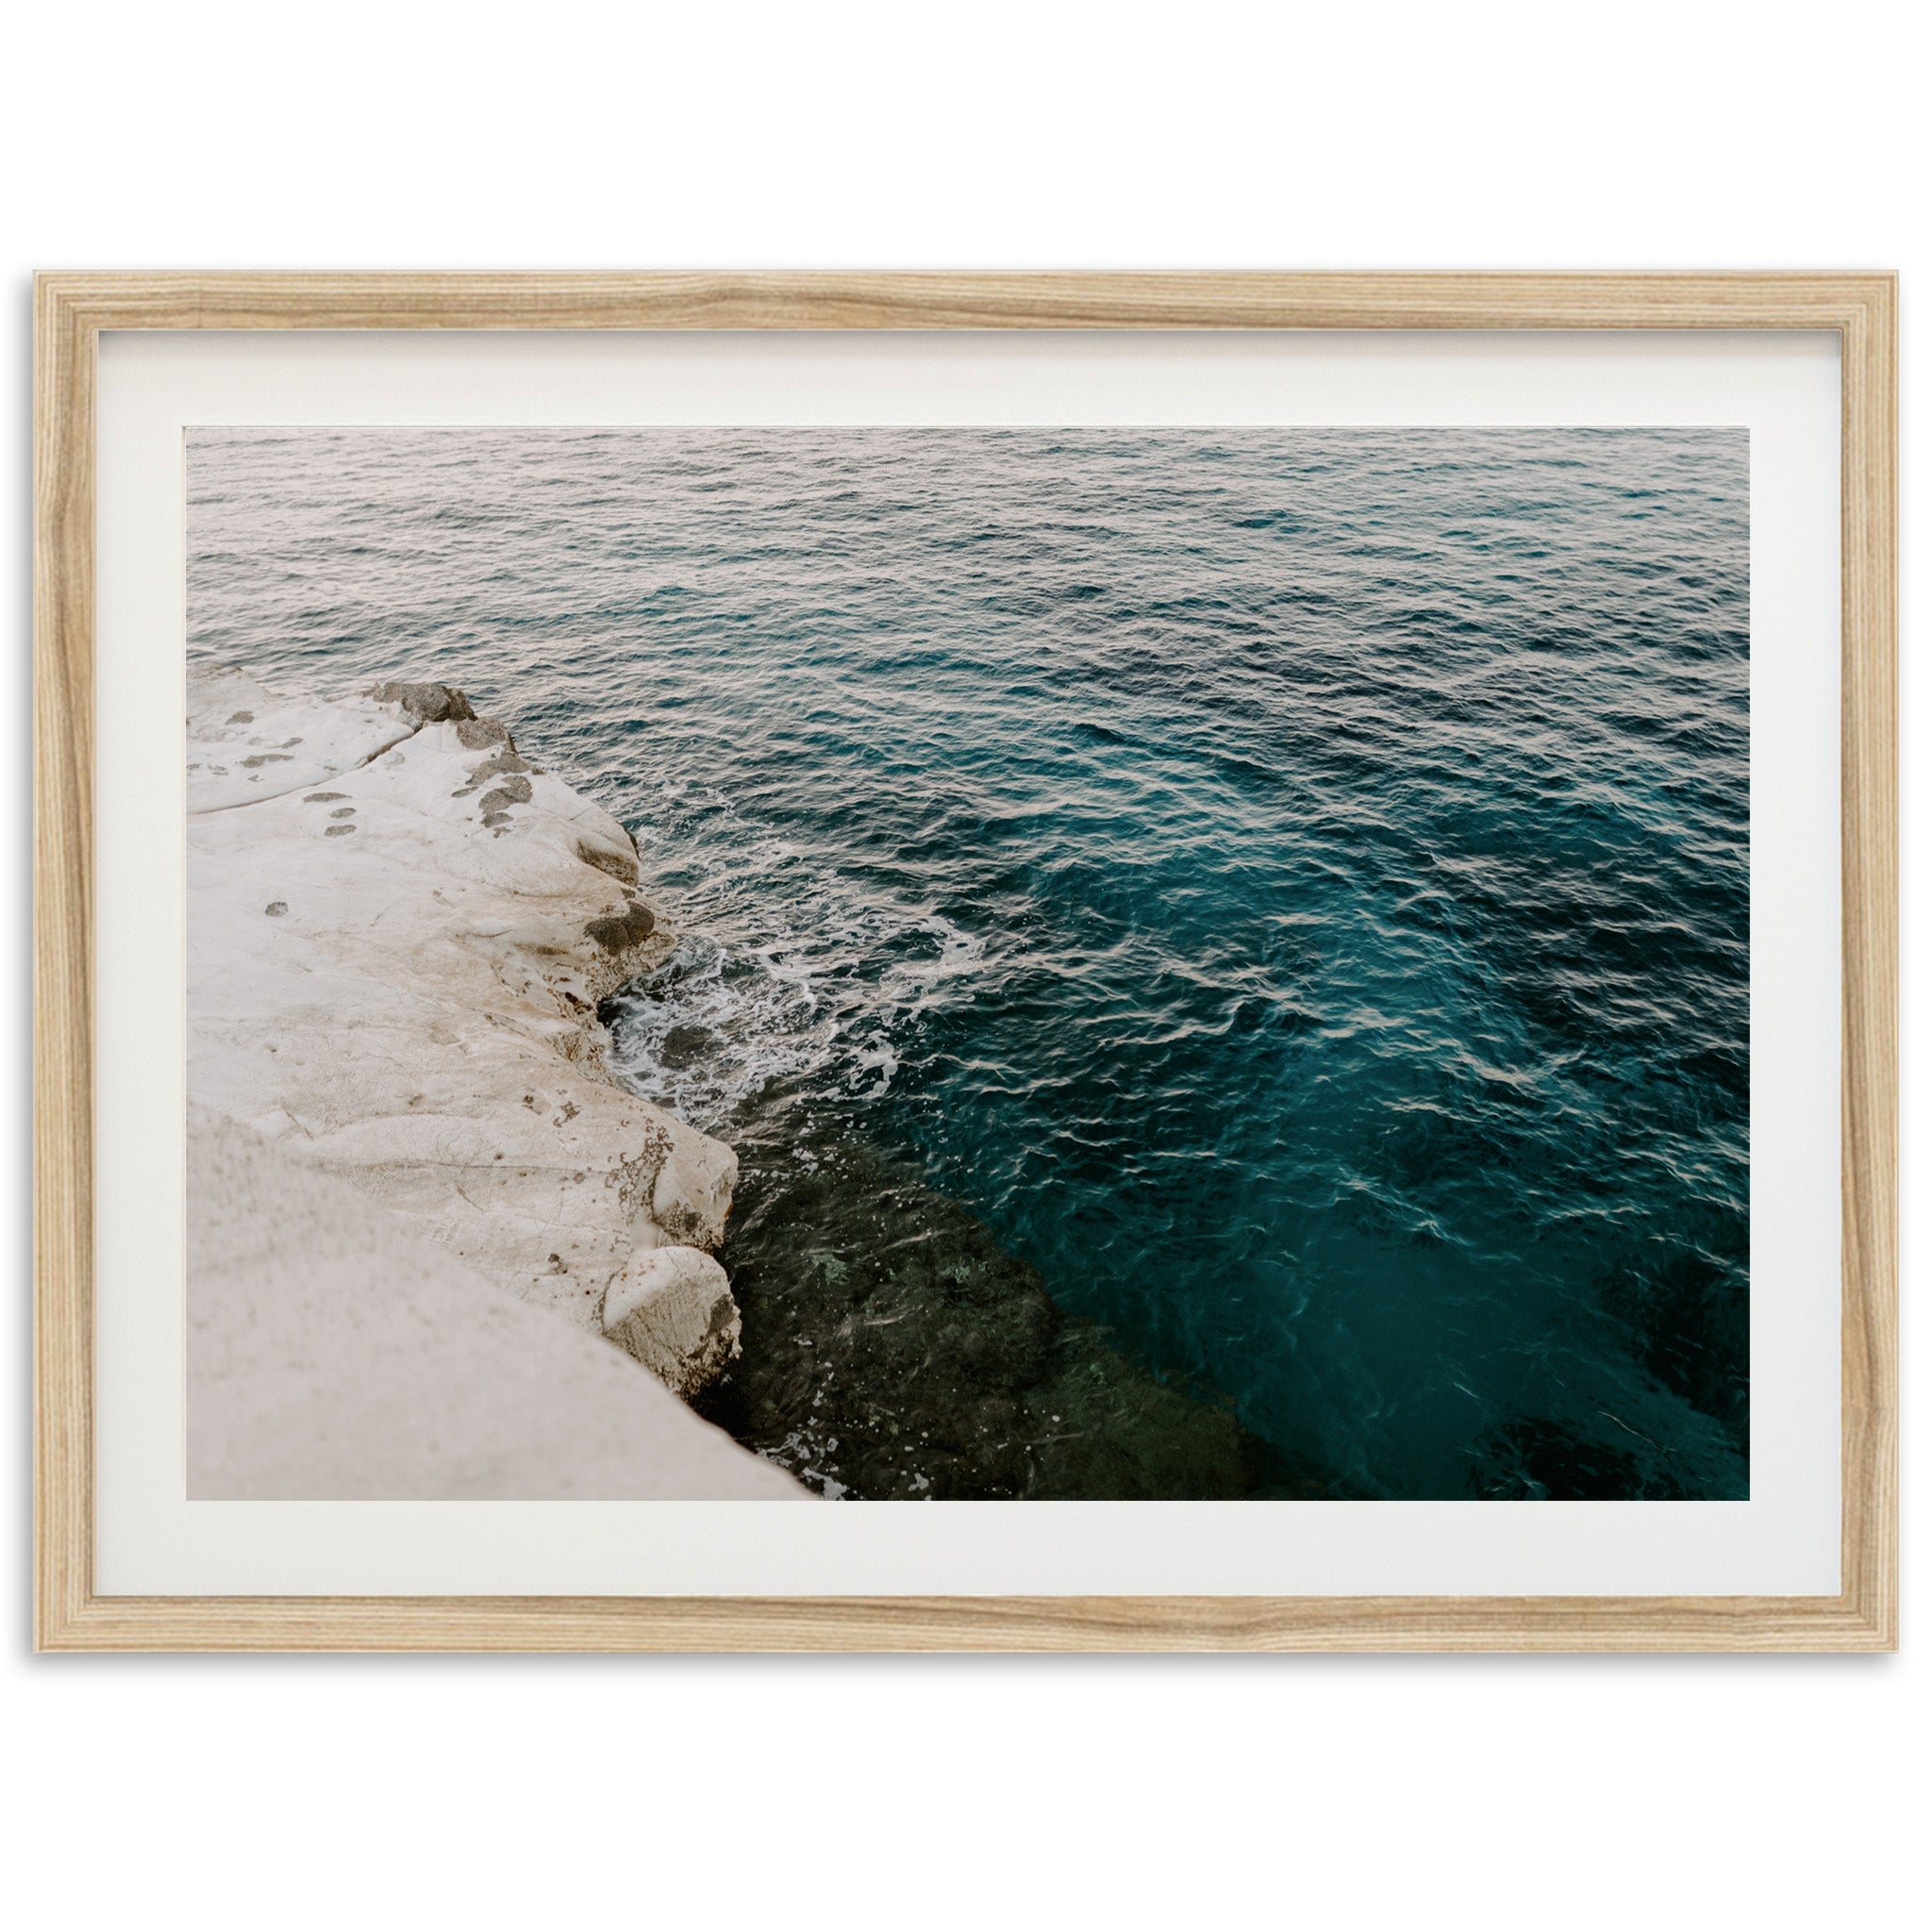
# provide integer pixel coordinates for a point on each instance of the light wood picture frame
(72, 312)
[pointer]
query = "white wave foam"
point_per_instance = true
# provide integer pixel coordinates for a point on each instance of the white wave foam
(785, 970)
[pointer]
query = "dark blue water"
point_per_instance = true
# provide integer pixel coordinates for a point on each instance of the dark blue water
(1282, 893)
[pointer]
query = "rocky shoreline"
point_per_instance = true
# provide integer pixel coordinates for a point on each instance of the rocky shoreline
(399, 932)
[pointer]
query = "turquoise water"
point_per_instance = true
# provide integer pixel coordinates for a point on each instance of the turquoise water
(1235, 939)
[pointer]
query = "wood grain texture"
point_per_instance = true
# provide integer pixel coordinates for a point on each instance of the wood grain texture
(63, 962)
(1868, 842)
(72, 310)
(967, 1624)
(675, 301)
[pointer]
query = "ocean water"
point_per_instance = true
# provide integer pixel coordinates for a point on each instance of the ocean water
(1224, 952)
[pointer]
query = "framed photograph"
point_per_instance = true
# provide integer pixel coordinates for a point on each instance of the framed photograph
(1219, 950)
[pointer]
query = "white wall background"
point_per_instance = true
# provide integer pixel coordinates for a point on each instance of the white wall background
(1373, 1792)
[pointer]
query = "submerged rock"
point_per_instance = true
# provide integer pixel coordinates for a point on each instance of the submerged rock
(894, 1349)
(414, 1009)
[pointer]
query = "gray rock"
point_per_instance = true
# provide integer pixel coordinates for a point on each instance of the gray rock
(428, 704)
(511, 791)
(621, 930)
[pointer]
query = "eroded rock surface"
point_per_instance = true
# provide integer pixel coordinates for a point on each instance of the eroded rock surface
(673, 1309)
(399, 931)
(334, 1352)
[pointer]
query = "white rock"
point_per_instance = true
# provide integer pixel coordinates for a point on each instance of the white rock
(672, 1308)
(394, 970)
(692, 1196)
(334, 1352)
(246, 742)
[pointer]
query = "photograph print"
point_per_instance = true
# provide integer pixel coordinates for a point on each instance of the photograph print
(960, 963)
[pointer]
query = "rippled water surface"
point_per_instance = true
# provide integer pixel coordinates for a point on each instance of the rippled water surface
(1224, 952)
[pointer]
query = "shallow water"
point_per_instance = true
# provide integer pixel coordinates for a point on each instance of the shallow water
(1262, 909)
